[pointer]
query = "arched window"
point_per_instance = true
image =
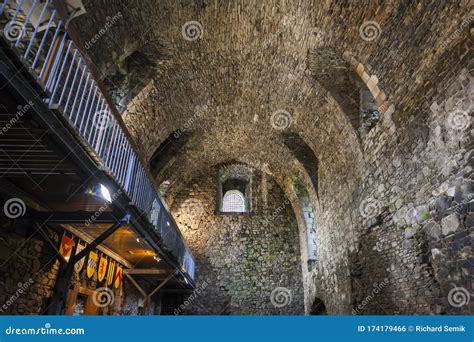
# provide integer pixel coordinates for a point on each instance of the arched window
(233, 202)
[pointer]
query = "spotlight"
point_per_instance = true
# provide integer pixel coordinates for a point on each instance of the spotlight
(105, 193)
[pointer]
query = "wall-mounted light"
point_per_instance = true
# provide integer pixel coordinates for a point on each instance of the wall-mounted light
(168, 223)
(105, 193)
(138, 239)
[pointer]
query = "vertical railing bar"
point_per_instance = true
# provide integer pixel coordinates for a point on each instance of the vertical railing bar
(79, 87)
(129, 170)
(60, 74)
(116, 147)
(100, 127)
(89, 113)
(128, 155)
(45, 34)
(91, 85)
(50, 50)
(3, 6)
(68, 76)
(101, 138)
(93, 115)
(17, 10)
(38, 24)
(57, 59)
(104, 133)
(23, 28)
(142, 187)
(118, 164)
(111, 144)
(73, 83)
(122, 161)
(82, 99)
(129, 164)
(133, 178)
(142, 197)
(138, 185)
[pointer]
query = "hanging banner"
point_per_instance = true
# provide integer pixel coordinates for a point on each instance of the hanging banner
(78, 265)
(65, 248)
(92, 264)
(118, 276)
(111, 273)
(102, 268)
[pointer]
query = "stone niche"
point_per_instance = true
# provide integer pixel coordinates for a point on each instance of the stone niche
(246, 264)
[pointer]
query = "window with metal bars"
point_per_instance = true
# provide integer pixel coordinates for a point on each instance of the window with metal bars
(233, 202)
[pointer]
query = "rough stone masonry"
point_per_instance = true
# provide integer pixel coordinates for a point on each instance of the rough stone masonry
(391, 199)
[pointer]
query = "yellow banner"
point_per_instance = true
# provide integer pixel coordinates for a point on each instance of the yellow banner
(92, 264)
(111, 273)
(118, 276)
(102, 268)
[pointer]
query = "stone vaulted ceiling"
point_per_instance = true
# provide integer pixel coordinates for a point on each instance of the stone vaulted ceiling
(244, 80)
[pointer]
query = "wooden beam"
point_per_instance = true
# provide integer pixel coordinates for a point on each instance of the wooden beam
(142, 271)
(53, 245)
(136, 285)
(163, 283)
(104, 249)
(61, 287)
(101, 238)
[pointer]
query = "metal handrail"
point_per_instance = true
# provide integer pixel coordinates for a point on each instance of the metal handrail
(60, 68)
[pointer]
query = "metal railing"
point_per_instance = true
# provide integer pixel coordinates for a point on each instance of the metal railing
(35, 31)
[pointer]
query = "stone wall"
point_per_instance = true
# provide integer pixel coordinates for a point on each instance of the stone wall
(247, 261)
(392, 209)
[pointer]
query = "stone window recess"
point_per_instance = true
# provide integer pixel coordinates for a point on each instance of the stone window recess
(345, 85)
(369, 111)
(234, 189)
(310, 224)
(233, 202)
